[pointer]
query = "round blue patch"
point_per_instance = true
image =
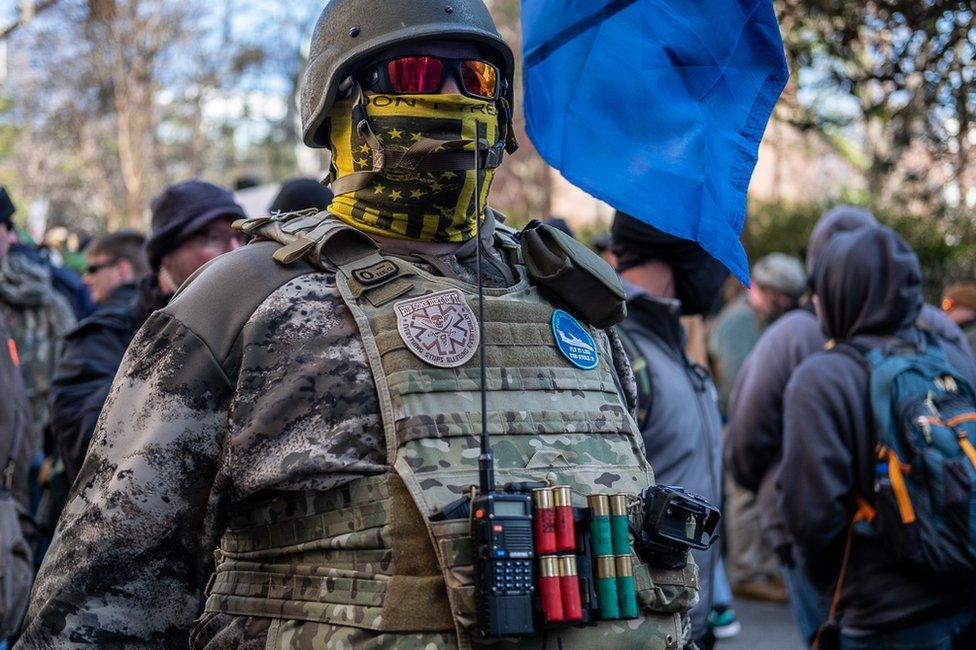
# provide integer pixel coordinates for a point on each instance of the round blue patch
(574, 341)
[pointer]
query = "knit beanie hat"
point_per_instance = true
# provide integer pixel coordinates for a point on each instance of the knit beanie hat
(183, 210)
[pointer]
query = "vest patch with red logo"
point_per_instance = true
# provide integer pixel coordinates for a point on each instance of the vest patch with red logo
(439, 328)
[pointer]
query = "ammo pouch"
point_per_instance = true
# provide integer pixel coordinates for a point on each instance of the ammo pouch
(573, 274)
(667, 590)
(661, 591)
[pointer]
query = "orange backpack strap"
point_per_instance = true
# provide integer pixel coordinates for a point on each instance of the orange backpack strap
(865, 512)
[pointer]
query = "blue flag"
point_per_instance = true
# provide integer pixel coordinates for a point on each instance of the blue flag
(656, 106)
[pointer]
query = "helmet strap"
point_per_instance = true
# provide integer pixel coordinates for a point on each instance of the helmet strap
(506, 130)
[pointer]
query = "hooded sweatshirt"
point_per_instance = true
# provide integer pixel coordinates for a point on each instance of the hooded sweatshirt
(868, 284)
(754, 437)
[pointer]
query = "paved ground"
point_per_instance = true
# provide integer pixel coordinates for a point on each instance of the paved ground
(764, 627)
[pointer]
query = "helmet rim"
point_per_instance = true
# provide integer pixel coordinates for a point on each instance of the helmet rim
(329, 67)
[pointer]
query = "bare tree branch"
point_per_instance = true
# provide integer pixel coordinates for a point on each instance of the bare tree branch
(5, 32)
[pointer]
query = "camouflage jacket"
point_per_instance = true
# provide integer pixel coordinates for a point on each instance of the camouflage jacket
(189, 436)
(39, 318)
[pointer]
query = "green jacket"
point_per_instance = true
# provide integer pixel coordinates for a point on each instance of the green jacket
(733, 335)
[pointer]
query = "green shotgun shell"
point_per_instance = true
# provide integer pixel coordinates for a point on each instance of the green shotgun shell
(606, 588)
(600, 524)
(619, 533)
(626, 587)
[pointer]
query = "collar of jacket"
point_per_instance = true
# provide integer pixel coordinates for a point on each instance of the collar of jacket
(118, 312)
(121, 297)
(661, 316)
(150, 298)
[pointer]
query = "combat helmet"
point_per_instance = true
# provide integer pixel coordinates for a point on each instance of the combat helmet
(350, 32)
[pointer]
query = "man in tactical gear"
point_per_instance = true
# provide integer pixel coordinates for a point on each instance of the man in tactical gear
(309, 401)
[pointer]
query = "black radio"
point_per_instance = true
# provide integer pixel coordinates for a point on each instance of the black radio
(501, 530)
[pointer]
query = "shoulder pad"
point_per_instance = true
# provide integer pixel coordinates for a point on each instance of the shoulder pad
(220, 298)
(315, 236)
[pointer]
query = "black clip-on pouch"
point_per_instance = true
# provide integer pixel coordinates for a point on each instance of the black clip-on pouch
(573, 274)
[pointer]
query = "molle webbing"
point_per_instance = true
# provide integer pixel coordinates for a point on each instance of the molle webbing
(365, 555)
(549, 421)
(357, 555)
(543, 411)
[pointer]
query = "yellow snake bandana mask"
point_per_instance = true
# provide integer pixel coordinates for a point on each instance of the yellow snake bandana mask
(436, 206)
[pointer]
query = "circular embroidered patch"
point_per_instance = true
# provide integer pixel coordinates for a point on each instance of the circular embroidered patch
(574, 341)
(439, 328)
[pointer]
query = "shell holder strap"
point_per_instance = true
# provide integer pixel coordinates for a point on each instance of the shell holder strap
(426, 155)
(507, 132)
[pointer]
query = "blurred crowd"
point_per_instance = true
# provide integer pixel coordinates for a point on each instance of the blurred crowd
(795, 442)
(735, 390)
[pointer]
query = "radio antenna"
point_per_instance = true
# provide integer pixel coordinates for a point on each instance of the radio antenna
(486, 462)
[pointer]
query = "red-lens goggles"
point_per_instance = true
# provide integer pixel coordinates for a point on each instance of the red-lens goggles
(424, 75)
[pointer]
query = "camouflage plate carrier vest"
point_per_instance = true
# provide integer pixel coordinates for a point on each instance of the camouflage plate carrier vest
(365, 556)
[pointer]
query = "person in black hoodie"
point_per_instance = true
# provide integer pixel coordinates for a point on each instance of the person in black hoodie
(754, 437)
(867, 286)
